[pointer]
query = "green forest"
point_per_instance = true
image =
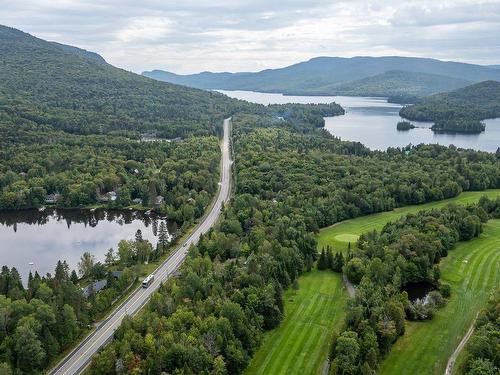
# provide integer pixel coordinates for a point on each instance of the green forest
(290, 183)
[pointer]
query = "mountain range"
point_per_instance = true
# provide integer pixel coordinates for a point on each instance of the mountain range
(371, 76)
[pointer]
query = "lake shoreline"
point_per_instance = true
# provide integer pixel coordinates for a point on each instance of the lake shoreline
(372, 122)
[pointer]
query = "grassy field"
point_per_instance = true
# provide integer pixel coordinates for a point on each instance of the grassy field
(341, 234)
(300, 344)
(473, 271)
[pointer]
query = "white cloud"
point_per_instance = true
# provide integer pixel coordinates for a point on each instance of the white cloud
(237, 35)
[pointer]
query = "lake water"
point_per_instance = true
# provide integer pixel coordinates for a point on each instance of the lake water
(372, 121)
(45, 237)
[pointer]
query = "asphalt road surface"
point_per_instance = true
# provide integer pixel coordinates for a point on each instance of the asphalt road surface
(76, 361)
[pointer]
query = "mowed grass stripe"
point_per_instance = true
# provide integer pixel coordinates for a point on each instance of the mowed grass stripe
(327, 236)
(426, 346)
(278, 342)
(478, 282)
(299, 338)
(300, 344)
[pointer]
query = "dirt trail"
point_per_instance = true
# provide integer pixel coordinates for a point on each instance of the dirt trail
(350, 288)
(453, 357)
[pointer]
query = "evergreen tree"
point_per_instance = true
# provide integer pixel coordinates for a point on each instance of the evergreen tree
(322, 261)
(162, 237)
(138, 236)
(329, 258)
(74, 277)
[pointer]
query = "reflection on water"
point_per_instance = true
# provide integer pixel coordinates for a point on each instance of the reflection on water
(43, 238)
(372, 121)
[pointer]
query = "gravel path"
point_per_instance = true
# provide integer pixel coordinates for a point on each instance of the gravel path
(453, 357)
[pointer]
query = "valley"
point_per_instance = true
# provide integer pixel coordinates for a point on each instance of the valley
(275, 218)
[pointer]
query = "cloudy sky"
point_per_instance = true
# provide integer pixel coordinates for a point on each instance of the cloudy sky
(187, 36)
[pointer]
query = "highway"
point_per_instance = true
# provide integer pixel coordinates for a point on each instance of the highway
(78, 359)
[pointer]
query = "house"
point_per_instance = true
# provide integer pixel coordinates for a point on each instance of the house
(99, 285)
(159, 200)
(95, 287)
(52, 198)
(110, 196)
(137, 201)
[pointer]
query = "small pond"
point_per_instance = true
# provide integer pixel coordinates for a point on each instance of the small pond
(418, 290)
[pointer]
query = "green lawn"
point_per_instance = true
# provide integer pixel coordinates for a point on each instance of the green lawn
(339, 235)
(473, 270)
(300, 344)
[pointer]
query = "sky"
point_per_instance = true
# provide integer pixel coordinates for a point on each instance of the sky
(189, 36)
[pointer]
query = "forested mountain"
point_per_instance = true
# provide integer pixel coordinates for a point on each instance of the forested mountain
(399, 82)
(81, 52)
(324, 75)
(458, 110)
(69, 89)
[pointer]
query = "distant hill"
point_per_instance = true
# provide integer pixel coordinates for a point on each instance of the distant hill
(465, 106)
(324, 75)
(74, 90)
(80, 52)
(398, 82)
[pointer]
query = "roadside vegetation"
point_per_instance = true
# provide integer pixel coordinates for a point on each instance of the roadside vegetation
(290, 181)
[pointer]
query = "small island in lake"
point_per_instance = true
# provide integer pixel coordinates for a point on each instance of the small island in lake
(405, 125)
(459, 111)
(459, 125)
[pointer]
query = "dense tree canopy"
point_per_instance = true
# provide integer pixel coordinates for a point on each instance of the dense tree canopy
(291, 180)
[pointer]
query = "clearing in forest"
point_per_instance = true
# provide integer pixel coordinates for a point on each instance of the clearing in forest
(300, 344)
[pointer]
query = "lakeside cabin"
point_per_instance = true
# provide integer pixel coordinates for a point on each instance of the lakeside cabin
(99, 285)
(52, 198)
(110, 196)
(159, 200)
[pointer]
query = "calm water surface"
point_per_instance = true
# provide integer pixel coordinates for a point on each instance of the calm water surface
(372, 121)
(45, 237)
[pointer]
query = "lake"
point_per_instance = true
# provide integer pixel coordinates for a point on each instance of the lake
(372, 121)
(44, 237)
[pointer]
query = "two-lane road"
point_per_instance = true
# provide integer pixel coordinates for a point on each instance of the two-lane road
(76, 361)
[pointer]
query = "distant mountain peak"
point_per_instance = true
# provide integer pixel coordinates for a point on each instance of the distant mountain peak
(324, 75)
